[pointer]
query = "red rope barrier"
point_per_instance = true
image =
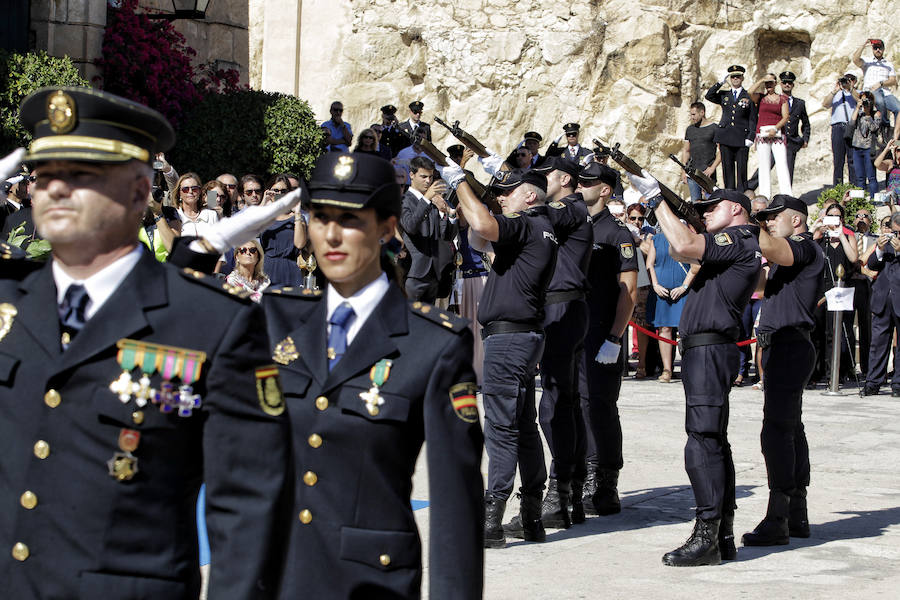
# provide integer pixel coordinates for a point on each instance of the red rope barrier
(675, 343)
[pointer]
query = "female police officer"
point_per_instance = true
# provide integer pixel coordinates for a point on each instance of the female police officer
(368, 377)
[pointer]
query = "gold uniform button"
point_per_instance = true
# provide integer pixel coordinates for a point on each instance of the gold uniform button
(385, 559)
(20, 551)
(138, 417)
(321, 402)
(315, 440)
(52, 398)
(305, 516)
(28, 500)
(41, 449)
(310, 478)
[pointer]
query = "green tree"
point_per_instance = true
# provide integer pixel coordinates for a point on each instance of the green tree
(20, 75)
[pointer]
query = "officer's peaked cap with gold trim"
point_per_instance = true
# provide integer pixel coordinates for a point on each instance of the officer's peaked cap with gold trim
(83, 124)
(355, 181)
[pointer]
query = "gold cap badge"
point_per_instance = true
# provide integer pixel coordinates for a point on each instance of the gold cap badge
(61, 112)
(344, 168)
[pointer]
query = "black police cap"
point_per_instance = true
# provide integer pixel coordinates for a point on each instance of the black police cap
(787, 76)
(388, 109)
(736, 69)
(416, 106)
(456, 149)
(510, 180)
(779, 203)
(83, 124)
(533, 135)
(354, 181)
(571, 127)
(559, 163)
(719, 195)
(598, 172)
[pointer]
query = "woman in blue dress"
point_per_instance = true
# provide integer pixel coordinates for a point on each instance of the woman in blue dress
(671, 281)
(282, 240)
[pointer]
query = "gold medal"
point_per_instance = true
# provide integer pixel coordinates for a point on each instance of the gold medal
(122, 466)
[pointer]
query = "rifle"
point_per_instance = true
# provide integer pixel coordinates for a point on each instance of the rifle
(441, 159)
(676, 203)
(466, 138)
(699, 177)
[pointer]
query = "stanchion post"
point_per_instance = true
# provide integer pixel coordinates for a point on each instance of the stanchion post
(834, 384)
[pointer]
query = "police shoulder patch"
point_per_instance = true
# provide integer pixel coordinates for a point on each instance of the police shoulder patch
(627, 250)
(462, 399)
(512, 215)
(797, 238)
(723, 239)
(268, 389)
(445, 318)
(556, 204)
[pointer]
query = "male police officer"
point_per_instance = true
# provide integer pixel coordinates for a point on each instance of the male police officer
(735, 134)
(512, 313)
(788, 359)
(730, 263)
(612, 277)
(414, 125)
(125, 383)
(565, 324)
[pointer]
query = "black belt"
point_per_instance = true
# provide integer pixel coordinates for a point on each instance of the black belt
(705, 339)
(783, 335)
(508, 327)
(567, 296)
(467, 273)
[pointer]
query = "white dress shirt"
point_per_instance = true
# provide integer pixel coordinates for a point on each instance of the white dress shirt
(99, 286)
(363, 302)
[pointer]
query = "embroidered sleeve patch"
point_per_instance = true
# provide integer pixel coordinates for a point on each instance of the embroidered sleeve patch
(627, 250)
(268, 388)
(462, 398)
(723, 239)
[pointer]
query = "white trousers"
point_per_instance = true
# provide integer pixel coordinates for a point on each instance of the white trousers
(764, 153)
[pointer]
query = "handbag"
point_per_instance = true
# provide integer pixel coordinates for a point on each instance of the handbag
(849, 127)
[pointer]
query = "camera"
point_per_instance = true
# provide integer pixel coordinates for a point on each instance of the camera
(866, 102)
(844, 81)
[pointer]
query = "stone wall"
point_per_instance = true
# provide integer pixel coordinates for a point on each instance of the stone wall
(625, 70)
(74, 28)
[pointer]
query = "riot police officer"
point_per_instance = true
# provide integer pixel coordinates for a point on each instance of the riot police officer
(788, 359)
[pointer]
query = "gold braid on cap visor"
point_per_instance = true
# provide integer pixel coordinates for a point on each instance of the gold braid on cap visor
(81, 142)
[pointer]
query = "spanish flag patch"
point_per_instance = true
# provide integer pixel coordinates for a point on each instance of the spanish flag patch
(462, 398)
(268, 388)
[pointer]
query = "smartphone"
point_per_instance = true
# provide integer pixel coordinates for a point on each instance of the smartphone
(833, 233)
(831, 220)
(857, 194)
(212, 199)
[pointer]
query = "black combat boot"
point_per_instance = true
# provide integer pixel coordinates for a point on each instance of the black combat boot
(493, 518)
(577, 502)
(773, 529)
(798, 521)
(590, 486)
(606, 497)
(530, 512)
(555, 509)
(702, 548)
(726, 538)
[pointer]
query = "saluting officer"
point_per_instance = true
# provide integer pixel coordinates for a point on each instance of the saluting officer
(730, 263)
(612, 277)
(736, 133)
(369, 377)
(788, 359)
(126, 383)
(511, 313)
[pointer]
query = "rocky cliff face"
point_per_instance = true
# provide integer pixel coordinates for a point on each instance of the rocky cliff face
(626, 70)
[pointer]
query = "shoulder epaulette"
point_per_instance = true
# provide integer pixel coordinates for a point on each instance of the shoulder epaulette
(215, 284)
(445, 318)
(295, 292)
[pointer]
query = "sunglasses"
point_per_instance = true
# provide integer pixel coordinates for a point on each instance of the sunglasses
(737, 76)
(863, 216)
(636, 218)
(416, 112)
(572, 134)
(253, 192)
(190, 188)
(230, 186)
(250, 251)
(366, 137)
(886, 223)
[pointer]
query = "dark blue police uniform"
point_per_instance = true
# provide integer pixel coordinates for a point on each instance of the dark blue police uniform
(885, 307)
(710, 324)
(736, 126)
(788, 359)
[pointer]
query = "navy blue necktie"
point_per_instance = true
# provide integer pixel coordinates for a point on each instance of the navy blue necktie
(72, 310)
(337, 337)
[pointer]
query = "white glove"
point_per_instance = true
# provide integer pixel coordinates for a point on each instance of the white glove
(491, 164)
(609, 353)
(452, 173)
(8, 166)
(748, 143)
(647, 185)
(247, 224)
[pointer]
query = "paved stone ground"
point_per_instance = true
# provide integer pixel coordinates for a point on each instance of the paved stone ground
(854, 504)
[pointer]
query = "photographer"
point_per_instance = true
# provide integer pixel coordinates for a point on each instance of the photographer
(889, 162)
(839, 244)
(159, 225)
(842, 101)
(878, 75)
(864, 124)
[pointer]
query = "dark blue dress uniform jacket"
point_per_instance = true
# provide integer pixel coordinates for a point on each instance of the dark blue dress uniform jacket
(353, 534)
(91, 536)
(738, 121)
